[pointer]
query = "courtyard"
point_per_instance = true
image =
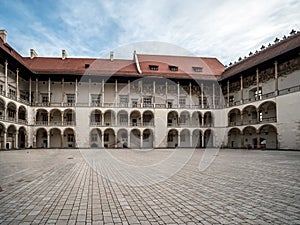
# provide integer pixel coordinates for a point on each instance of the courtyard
(162, 186)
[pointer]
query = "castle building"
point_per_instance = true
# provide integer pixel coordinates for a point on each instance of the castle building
(151, 101)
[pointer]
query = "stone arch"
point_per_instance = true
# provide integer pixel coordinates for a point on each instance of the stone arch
(2, 137)
(267, 112)
(11, 111)
(69, 139)
(135, 138)
(249, 115)
(185, 138)
(41, 138)
(41, 117)
(208, 119)
(122, 138)
(69, 117)
(148, 138)
(172, 119)
(250, 137)
(55, 138)
(197, 138)
(109, 138)
(268, 136)
(55, 117)
(172, 138)
(184, 119)
(196, 120)
(234, 117)
(208, 138)
(135, 118)
(148, 118)
(22, 115)
(109, 118)
(96, 117)
(122, 118)
(2, 108)
(11, 141)
(22, 137)
(95, 138)
(234, 138)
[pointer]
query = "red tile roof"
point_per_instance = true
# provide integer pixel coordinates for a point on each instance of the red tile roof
(275, 50)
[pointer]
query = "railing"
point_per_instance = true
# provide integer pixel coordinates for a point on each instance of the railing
(251, 122)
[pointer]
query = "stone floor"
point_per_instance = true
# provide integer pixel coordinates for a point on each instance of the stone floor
(75, 187)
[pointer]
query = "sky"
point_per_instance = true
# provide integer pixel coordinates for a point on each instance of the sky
(225, 29)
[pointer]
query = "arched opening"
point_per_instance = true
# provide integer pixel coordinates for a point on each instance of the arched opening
(267, 112)
(185, 138)
(135, 118)
(11, 111)
(69, 138)
(208, 138)
(96, 118)
(55, 117)
(184, 119)
(122, 137)
(2, 109)
(249, 115)
(148, 118)
(69, 117)
(148, 138)
(250, 137)
(234, 117)
(109, 138)
(196, 119)
(109, 118)
(22, 137)
(268, 137)
(172, 119)
(135, 138)
(234, 138)
(172, 138)
(11, 137)
(2, 131)
(41, 117)
(197, 138)
(123, 118)
(22, 115)
(208, 119)
(41, 138)
(95, 138)
(55, 138)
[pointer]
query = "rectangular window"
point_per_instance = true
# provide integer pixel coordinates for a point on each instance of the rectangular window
(12, 92)
(181, 102)
(94, 137)
(147, 100)
(123, 100)
(71, 99)
(96, 99)
(258, 95)
(153, 67)
(70, 137)
(134, 102)
(173, 68)
(197, 69)
(45, 98)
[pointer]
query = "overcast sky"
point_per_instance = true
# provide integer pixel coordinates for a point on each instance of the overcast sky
(213, 28)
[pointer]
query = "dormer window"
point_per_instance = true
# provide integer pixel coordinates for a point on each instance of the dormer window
(153, 67)
(197, 69)
(173, 68)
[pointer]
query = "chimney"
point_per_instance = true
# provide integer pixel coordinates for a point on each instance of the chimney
(33, 54)
(63, 54)
(111, 56)
(3, 35)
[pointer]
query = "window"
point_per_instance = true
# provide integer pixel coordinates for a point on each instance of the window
(173, 68)
(45, 98)
(258, 95)
(94, 137)
(197, 69)
(96, 99)
(170, 103)
(147, 100)
(12, 92)
(124, 100)
(123, 118)
(70, 137)
(153, 67)
(260, 116)
(182, 102)
(69, 117)
(70, 99)
(231, 99)
(11, 113)
(134, 102)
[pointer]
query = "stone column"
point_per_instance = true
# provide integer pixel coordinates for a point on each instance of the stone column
(228, 89)
(49, 92)
(5, 77)
(62, 91)
(116, 93)
(191, 139)
(214, 96)
(36, 91)
(202, 97)
(102, 139)
(102, 93)
(62, 140)
(102, 119)
(257, 83)
(179, 139)
(276, 78)
(141, 140)
(128, 140)
(17, 84)
(89, 93)
(4, 139)
(48, 139)
(166, 94)
(202, 141)
(190, 94)
(242, 90)
(30, 91)
(76, 92)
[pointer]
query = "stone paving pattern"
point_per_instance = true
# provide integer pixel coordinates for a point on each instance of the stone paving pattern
(240, 187)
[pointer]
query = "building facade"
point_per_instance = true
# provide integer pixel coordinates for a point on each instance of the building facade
(151, 101)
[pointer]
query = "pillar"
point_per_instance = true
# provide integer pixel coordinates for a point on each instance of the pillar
(257, 83)
(116, 93)
(16, 139)
(48, 139)
(49, 92)
(17, 85)
(102, 140)
(214, 96)
(141, 140)
(202, 141)
(191, 139)
(228, 89)
(178, 94)
(102, 119)
(102, 93)
(89, 93)
(179, 139)
(166, 94)
(62, 91)
(258, 120)
(128, 139)
(190, 94)
(242, 90)
(76, 91)
(202, 97)
(36, 91)
(258, 139)
(4, 140)
(62, 140)
(5, 76)
(276, 78)
(30, 91)
(202, 120)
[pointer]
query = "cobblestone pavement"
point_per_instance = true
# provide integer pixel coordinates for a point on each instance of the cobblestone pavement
(240, 187)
